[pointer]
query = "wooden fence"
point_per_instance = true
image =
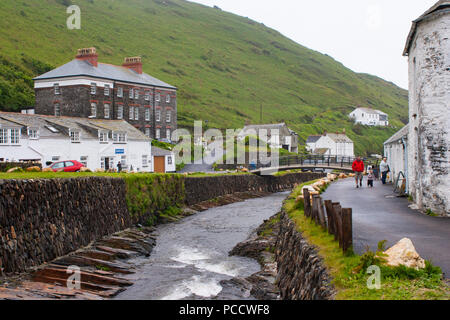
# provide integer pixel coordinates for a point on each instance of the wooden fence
(331, 217)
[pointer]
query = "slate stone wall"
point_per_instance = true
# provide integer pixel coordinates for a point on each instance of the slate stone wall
(301, 272)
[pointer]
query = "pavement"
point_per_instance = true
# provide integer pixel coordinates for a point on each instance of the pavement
(378, 214)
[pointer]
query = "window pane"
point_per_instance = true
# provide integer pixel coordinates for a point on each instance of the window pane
(106, 110)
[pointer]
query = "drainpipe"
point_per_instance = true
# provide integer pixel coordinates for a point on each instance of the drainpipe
(405, 146)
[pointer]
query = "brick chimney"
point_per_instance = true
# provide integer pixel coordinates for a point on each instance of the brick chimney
(133, 63)
(89, 55)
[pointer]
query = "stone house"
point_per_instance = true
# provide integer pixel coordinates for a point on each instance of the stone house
(277, 136)
(87, 88)
(428, 52)
(369, 117)
(331, 144)
(97, 143)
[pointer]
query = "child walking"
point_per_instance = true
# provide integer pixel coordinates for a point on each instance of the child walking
(370, 177)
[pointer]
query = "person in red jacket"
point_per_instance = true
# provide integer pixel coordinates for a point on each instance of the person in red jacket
(358, 168)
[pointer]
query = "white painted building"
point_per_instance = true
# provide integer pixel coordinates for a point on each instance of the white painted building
(331, 144)
(163, 160)
(369, 117)
(277, 136)
(396, 152)
(98, 144)
(428, 51)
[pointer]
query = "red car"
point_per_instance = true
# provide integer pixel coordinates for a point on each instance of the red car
(67, 166)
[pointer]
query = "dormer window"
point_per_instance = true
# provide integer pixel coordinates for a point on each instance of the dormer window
(103, 136)
(56, 88)
(33, 133)
(75, 136)
(119, 137)
(107, 90)
(93, 88)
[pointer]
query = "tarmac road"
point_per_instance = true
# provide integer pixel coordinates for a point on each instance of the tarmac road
(379, 215)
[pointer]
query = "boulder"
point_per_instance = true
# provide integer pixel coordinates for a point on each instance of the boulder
(404, 253)
(34, 169)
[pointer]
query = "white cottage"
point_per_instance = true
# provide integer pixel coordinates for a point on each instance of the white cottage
(98, 144)
(369, 117)
(396, 152)
(331, 144)
(428, 51)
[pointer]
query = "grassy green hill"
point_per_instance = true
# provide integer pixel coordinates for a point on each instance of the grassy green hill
(225, 66)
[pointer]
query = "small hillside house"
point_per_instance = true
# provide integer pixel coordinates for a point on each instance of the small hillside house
(86, 88)
(331, 144)
(277, 136)
(369, 117)
(98, 144)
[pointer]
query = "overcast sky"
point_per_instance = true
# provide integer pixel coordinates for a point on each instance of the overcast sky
(365, 35)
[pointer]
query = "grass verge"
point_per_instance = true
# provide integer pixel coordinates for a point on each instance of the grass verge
(349, 271)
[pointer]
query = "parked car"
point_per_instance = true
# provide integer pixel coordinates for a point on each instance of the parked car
(67, 166)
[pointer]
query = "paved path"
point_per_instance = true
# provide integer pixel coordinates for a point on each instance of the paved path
(379, 215)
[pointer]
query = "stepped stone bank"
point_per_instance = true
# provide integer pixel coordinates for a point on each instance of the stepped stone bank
(43, 219)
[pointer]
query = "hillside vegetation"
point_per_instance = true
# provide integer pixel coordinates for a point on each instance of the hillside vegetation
(225, 66)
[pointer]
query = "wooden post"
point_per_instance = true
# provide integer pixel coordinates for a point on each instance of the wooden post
(315, 208)
(322, 220)
(337, 210)
(307, 202)
(347, 229)
(329, 207)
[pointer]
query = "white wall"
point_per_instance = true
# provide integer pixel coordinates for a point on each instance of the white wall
(336, 149)
(396, 157)
(429, 115)
(363, 117)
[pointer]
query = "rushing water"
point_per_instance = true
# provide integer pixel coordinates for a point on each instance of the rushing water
(191, 256)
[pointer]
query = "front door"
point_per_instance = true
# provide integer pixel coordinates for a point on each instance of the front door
(160, 164)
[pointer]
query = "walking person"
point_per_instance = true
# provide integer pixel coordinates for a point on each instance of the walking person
(119, 167)
(358, 169)
(370, 177)
(384, 169)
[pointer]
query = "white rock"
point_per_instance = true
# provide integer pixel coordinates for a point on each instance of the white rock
(404, 253)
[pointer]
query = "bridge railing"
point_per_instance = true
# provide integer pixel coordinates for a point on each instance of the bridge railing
(316, 160)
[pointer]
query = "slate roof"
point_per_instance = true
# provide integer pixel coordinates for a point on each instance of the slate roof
(441, 5)
(158, 152)
(106, 71)
(313, 139)
(370, 111)
(54, 127)
(339, 137)
(321, 151)
(402, 133)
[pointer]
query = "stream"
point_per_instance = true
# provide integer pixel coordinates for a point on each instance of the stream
(190, 259)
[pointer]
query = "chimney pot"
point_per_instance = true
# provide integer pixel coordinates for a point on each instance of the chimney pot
(89, 55)
(133, 63)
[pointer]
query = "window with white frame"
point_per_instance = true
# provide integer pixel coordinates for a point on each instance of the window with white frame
(106, 90)
(57, 109)
(136, 93)
(119, 137)
(168, 116)
(131, 93)
(147, 114)
(147, 95)
(169, 160)
(158, 97)
(168, 134)
(120, 112)
(93, 110)
(75, 136)
(136, 113)
(131, 113)
(103, 136)
(145, 160)
(56, 88)
(3, 136)
(168, 98)
(158, 115)
(107, 110)
(93, 88)
(14, 136)
(158, 133)
(147, 132)
(83, 160)
(33, 133)
(120, 92)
